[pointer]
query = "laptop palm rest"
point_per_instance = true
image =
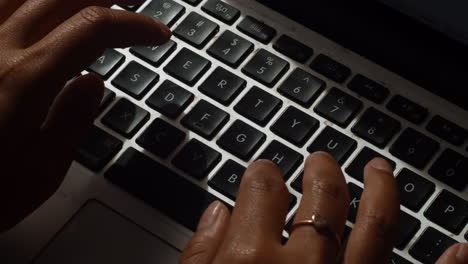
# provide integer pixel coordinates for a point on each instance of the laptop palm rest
(97, 234)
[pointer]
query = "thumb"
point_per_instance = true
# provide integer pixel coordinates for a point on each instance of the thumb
(210, 233)
(67, 125)
(457, 254)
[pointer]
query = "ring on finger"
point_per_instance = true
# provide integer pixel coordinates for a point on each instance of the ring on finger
(321, 225)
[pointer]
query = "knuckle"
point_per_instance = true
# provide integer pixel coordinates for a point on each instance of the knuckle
(245, 255)
(97, 17)
(264, 183)
(196, 252)
(377, 224)
(321, 187)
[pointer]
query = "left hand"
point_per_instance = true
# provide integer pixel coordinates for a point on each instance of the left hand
(43, 44)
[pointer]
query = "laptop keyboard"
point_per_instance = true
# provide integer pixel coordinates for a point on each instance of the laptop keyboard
(195, 83)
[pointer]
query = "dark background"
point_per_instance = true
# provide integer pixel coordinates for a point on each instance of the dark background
(390, 39)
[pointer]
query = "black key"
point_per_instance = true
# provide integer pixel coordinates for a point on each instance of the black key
(414, 148)
(135, 173)
(222, 11)
(196, 159)
(258, 106)
(407, 109)
(292, 201)
(205, 119)
(451, 168)
(408, 228)
(223, 86)
(368, 88)
(449, 211)
(241, 140)
(107, 98)
(192, 2)
(293, 49)
(396, 259)
(256, 29)
(266, 68)
(125, 118)
(376, 127)
(295, 126)
(356, 168)
(106, 65)
(335, 143)
(330, 68)
(302, 87)
(165, 11)
(196, 30)
(447, 130)
(155, 55)
(338, 107)
(231, 49)
(297, 183)
(414, 189)
(355, 193)
(347, 231)
(285, 158)
(135, 80)
(227, 180)
(98, 149)
(170, 99)
(187, 66)
(130, 7)
(430, 246)
(161, 138)
(466, 236)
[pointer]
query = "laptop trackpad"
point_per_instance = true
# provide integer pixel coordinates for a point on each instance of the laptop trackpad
(99, 235)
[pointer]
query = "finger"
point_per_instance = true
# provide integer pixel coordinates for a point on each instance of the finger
(204, 244)
(37, 18)
(81, 39)
(8, 7)
(456, 254)
(258, 218)
(325, 194)
(67, 124)
(376, 228)
(77, 43)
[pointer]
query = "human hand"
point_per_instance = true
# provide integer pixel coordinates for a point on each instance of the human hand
(43, 44)
(253, 233)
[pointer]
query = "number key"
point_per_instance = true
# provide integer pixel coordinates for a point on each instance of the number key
(376, 127)
(414, 148)
(451, 168)
(165, 11)
(196, 30)
(302, 87)
(338, 107)
(231, 49)
(266, 68)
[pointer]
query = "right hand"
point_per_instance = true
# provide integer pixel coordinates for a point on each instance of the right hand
(252, 235)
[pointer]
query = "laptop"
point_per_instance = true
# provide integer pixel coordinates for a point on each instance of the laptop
(243, 80)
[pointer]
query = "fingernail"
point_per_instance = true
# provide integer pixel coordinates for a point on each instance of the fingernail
(462, 253)
(211, 216)
(381, 164)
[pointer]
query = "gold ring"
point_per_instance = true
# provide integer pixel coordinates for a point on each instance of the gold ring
(320, 223)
